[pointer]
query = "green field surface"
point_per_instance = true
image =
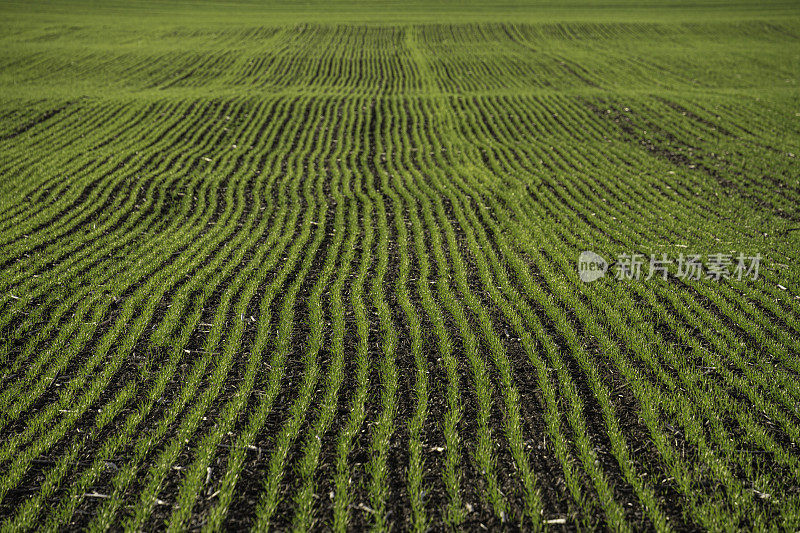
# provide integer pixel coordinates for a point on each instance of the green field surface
(314, 265)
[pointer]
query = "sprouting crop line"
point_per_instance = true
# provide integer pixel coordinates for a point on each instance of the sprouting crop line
(95, 195)
(216, 280)
(77, 254)
(454, 514)
(483, 455)
(269, 499)
(387, 368)
(320, 273)
(30, 399)
(277, 227)
(356, 408)
(36, 189)
(195, 473)
(132, 179)
(511, 400)
(413, 326)
(191, 422)
(245, 441)
(97, 321)
(113, 272)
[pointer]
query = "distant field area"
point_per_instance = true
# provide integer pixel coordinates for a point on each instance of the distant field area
(318, 265)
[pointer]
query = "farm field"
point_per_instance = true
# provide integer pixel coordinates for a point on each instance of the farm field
(315, 266)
